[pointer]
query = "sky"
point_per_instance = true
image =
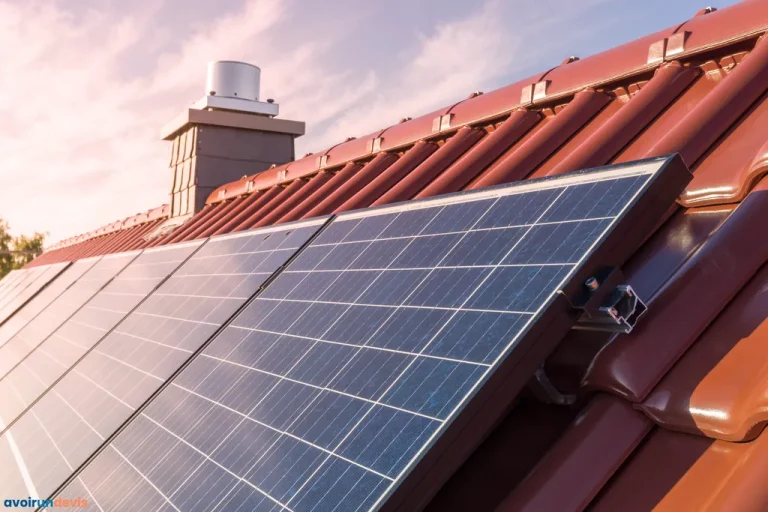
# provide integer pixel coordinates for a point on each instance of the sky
(86, 85)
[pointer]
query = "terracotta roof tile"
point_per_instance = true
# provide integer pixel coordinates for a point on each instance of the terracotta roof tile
(601, 438)
(671, 472)
(720, 387)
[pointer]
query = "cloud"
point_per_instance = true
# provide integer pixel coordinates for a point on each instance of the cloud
(80, 140)
(83, 95)
(481, 50)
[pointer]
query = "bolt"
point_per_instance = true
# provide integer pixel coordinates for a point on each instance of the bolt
(592, 284)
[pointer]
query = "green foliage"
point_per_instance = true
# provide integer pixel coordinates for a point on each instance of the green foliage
(15, 252)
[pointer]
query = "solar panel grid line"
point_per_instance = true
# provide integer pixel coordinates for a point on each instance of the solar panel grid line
(295, 228)
(18, 278)
(35, 375)
(186, 410)
(30, 371)
(382, 349)
(241, 479)
(9, 278)
(44, 299)
(21, 285)
(262, 286)
(73, 298)
(190, 247)
(25, 476)
(394, 381)
(324, 388)
(47, 330)
(266, 395)
(408, 306)
(223, 440)
(46, 276)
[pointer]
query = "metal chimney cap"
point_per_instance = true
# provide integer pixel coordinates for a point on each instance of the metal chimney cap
(234, 85)
(232, 79)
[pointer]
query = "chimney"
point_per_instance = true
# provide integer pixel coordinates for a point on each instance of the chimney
(226, 135)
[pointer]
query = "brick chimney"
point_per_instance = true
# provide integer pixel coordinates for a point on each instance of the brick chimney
(224, 136)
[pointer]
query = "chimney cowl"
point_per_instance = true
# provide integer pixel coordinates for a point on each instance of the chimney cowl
(235, 86)
(232, 79)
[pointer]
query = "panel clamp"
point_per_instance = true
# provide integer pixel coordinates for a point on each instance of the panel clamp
(607, 304)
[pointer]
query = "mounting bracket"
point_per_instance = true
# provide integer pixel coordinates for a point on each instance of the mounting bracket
(607, 304)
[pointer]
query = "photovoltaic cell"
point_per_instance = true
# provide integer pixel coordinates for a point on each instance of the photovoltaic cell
(329, 387)
(44, 277)
(71, 420)
(32, 377)
(10, 279)
(25, 278)
(44, 299)
(37, 330)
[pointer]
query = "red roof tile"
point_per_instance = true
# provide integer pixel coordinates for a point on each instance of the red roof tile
(671, 472)
(601, 438)
(720, 387)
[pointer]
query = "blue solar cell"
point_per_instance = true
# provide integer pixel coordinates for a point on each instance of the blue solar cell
(433, 387)
(357, 324)
(10, 308)
(408, 329)
(52, 358)
(284, 467)
(387, 439)
(518, 288)
(340, 485)
(445, 287)
(370, 372)
(476, 336)
(97, 273)
(328, 388)
(117, 374)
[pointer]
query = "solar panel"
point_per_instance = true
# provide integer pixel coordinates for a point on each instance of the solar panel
(44, 299)
(44, 278)
(70, 421)
(36, 331)
(25, 279)
(32, 377)
(342, 384)
(10, 280)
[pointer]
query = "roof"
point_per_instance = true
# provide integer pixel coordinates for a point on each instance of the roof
(669, 416)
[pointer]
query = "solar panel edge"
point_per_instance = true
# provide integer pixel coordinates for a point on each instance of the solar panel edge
(323, 222)
(19, 307)
(495, 393)
(199, 243)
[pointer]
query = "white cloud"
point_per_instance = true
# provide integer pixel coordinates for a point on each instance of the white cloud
(80, 145)
(82, 97)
